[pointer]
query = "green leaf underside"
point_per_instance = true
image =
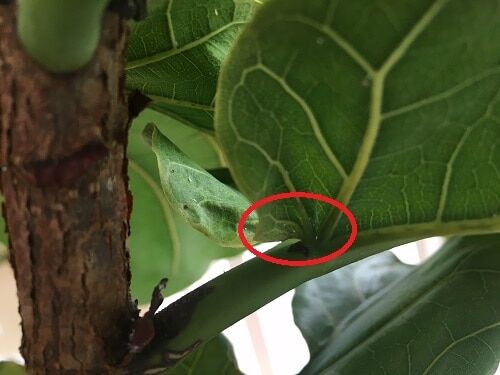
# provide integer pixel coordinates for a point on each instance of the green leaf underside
(391, 107)
(214, 357)
(205, 203)
(175, 55)
(321, 305)
(443, 318)
(161, 243)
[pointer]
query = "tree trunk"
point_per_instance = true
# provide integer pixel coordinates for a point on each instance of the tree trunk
(67, 205)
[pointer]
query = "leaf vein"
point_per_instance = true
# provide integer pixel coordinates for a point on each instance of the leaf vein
(423, 297)
(452, 345)
(177, 51)
(281, 169)
(170, 24)
(313, 121)
(412, 35)
(335, 37)
(375, 118)
(442, 95)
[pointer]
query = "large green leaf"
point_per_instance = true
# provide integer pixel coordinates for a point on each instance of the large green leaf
(321, 306)
(441, 319)
(161, 243)
(214, 357)
(203, 201)
(391, 107)
(175, 54)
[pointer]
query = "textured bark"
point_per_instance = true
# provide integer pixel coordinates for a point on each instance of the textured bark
(67, 206)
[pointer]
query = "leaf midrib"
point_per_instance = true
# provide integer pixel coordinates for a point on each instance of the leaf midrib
(378, 77)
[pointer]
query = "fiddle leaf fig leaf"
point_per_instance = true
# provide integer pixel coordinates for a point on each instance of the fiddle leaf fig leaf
(396, 115)
(175, 54)
(214, 357)
(205, 203)
(321, 305)
(161, 243)
(442, 318)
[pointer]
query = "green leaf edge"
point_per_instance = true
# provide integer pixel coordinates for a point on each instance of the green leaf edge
(168, 216)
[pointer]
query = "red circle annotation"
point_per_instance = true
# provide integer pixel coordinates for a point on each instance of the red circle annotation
(298, 263)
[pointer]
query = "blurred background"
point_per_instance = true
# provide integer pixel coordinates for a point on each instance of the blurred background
(265, 343)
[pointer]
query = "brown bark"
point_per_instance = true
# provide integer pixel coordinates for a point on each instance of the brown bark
(62, 154)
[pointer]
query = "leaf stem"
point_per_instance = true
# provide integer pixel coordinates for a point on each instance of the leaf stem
(229, 298)
(244, 289)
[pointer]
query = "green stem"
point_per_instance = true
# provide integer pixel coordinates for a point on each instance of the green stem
(61, 35)
(246, 288)
(205, 312)
(208, 310)
(229, 298)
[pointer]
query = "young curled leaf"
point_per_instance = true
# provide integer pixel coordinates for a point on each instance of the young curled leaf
(161, 242)
(205, 203)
